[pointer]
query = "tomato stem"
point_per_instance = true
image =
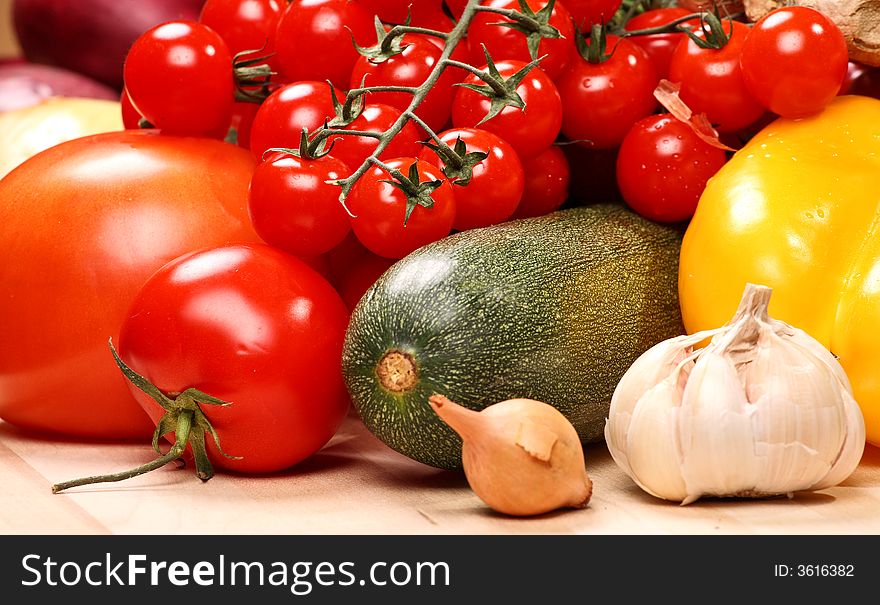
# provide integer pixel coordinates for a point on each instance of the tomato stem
(183, 416)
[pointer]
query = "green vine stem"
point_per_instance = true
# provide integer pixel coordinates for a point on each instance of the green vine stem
(183, 417)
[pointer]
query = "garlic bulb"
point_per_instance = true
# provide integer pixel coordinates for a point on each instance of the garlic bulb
(520, 456)
(764, 409)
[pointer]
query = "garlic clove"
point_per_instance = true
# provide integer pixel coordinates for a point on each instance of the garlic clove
(652, 442)
(853, 446)
(799, 419)
(647, 371)
(716, 431)
(521, 457)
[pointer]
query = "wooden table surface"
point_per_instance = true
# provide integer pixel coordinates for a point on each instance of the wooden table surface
(356, 485)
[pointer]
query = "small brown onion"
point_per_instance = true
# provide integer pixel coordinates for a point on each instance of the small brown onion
(521, 457)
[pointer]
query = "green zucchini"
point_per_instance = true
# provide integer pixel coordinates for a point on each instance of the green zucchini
(554, 308)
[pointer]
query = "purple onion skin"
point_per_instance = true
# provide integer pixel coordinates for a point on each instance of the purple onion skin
(91, 37)
(26, 84)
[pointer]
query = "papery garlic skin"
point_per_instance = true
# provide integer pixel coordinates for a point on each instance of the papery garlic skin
(764, 409)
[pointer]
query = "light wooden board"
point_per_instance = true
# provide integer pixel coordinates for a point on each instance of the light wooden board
(356, 485)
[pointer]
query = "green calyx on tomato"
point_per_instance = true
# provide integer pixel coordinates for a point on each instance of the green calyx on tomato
(595, 51)
(252, 75)
(535, 26)
(500, 91)
(714, 36)
(418, 192)
(183, 417)
(458, 163)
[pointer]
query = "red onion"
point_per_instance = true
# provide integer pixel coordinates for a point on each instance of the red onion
(91, 37)
(26, 84)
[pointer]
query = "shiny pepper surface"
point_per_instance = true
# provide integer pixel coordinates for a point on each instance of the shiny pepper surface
(798, 209)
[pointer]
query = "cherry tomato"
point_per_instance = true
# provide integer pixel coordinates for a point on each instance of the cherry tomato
(379, 211)
(588, 12)
(507, 43)
(547, 178)
(663, 166)
(293, 207)
(122, 204)
(712, 81)
(253, 326)
(529, 131)
(245, 25)
(282, 116)
(794, 61)
(659, 47)
(496, 184)
(601, 101)
(179, 77)
(314, 39)
(409, 68)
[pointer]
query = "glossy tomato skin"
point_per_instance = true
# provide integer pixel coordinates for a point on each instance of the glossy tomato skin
(712, 81)
(547, 178)
(379, 211)
(179, 77)
(359, 275)
(294, 208)
(794, 61)
(658, 47)
(255, 327)
(411, 67)
(496, 185)
(378, 117)
(313, 39)
(282, 116)
(601, 101)
(86, 223)
(588, 12)
(130, 116)
(528, 131)
(663, 167)
(245, 25)
(507, 43)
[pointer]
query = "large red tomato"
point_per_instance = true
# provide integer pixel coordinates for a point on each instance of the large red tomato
(252, 326)
(85, 223)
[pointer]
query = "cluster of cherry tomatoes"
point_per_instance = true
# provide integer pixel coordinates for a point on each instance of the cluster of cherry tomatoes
(593, 91)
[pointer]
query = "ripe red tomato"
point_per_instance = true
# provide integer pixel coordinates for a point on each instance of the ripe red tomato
(409, 68)
(712, 81)
(529, 131)
(179, 77)
(659, 47)
(245, 25)
(663, 167)
(423, 13)
(587, 12)
(121, 205)
(282, 116)
(313, 39)
(294, 208)
(546, 183)
(379, 211)
(507, 43)
(253, 326)
(794, 61)
(376, 117)
(601, 101)
(243, 114)
(496, 184)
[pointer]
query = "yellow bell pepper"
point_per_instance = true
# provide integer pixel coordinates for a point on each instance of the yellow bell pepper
(798, 209)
